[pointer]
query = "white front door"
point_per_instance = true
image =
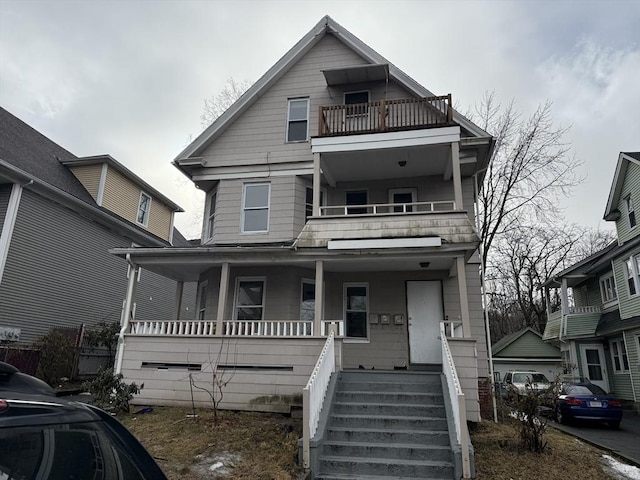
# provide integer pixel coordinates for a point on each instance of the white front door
(593, 365)
(424, 309)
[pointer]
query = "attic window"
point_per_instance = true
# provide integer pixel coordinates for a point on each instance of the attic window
(630, 212)
(298, 120)
(143, 209)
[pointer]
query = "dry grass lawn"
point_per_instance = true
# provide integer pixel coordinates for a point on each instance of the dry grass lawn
(261, 446)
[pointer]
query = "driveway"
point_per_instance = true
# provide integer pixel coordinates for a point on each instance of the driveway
(624, 442)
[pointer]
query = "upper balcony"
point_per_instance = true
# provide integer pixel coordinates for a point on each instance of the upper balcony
(385, 116)
(576, 322)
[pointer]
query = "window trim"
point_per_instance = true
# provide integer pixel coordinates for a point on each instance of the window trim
(237, 290)
(603, 289)
(631, 212)
(145, 219)
(297, 99)
(366, 338)
(244, 207)
(209, 225)
(622, 353)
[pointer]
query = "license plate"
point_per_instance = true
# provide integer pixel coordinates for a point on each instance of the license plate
(595, 404)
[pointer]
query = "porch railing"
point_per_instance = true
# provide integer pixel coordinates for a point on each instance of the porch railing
(385, 116)
(453, 329)
(314, 393)
(457, 401)
(247, 328)
(388, 208)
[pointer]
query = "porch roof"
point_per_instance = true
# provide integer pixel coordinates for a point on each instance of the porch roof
(187, 264)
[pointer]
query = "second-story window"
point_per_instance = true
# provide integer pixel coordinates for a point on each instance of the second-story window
(143, 209)
(255, 208)
(631, 213)
(249, 303)
(211, 213)
(632, 272)
(202, 300)
(298, 120)
(608, 288)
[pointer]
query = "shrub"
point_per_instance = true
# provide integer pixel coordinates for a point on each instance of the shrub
(57, 355)
(104, 335)
(110, 392)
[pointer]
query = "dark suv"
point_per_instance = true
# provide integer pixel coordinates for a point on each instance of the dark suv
(46, 437)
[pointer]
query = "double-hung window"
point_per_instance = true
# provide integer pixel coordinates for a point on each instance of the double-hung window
(632, 272)
(211, 213)
(255, 207)
(356, 309)
(619, 356)
(249, 303)
(608, 288)
(298, 120)
(202, 300)
(144, 207)
(631, 213)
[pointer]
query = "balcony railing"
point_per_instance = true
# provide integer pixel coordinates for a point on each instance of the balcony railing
(235, 328)
(388, 208)
(385, 116)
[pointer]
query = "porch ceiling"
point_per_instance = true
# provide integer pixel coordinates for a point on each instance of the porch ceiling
(188, 266)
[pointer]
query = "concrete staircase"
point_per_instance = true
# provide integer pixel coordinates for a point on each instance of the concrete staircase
(386, 426)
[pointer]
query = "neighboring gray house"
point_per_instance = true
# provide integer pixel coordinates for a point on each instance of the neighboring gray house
(597, 326)
(59, 216)
(525, 350)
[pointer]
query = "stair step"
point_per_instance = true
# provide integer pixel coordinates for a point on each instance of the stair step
(348, 476)
(382, 376)
(421, 398)
(384, 450)
(365, 386)
(403, 409)
(386, 466)
(391, 435)
(387, 421)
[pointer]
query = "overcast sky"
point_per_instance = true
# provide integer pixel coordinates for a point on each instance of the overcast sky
(128, 78)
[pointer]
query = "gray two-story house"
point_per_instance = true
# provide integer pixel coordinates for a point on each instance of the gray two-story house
(597, 326)
(339, 204)
(59, 216)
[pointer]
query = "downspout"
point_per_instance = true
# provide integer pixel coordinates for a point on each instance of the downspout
(126, 312)
(487, 328)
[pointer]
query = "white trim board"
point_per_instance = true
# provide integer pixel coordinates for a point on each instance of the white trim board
(384, 243)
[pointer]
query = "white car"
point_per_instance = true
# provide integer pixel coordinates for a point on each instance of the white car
(523, 382)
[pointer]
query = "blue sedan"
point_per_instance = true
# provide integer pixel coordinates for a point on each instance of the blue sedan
(586, 401)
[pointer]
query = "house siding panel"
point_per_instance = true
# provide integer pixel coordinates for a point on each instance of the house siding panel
(630, 186)
(629, 306)
(78, 281)
(89, 176)
(5, 193)
(633, 351)
(530, 345)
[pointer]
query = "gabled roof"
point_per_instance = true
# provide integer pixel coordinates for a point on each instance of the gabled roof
(611, 213)
(582, 269)
(507, 340)
(611, 323)
(325, 26)
(109, 160)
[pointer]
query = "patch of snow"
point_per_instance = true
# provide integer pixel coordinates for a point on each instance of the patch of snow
(216, 466)
(628, 472)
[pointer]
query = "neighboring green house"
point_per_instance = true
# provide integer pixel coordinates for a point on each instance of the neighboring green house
(598, 325)
(525, 350)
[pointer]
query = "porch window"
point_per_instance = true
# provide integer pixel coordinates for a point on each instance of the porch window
(308, 301)
(308, 204)
(608, 288)
(144, 206)
(298, 120)
(356, 197)
(632, 269)
(202, 300)
(356, 101)
(249, 303)
(630, 212)
(619, 356)
(403, 196)
(255, 207)
(211, 212)
(356, 309)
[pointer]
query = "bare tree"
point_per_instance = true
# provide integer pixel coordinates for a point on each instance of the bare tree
(216, 105)
(531, 167)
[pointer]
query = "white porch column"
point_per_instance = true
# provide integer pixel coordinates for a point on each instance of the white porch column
(464, 301)
(457, 182)
(547, 300)
(564, 299)
(126, 311)
(222, 297)
(6, 232)
(319, 300)
(178, 301)
(316, 185)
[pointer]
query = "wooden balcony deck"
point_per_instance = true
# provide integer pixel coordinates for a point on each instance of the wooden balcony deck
(385, 116)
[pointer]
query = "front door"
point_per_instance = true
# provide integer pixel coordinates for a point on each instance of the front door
(593, 365)
(424, 309)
